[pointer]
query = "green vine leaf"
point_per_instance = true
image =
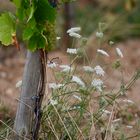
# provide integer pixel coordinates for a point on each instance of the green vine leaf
(24, 10)
(7, 28)
(17, 3)
(45, 12)
(37, 17)
(32, 44)
(42, 42)
(27, 33)
(37, 41)
(32, 9)
(29, 29)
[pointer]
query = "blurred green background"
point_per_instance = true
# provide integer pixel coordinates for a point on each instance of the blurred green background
(121, 17)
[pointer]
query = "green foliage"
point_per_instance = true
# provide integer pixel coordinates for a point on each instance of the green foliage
(38, 14)
(17, 3)
(116, 64)
(29, 29)
(44, 12)
(37, 41)
(27, 33)
(7, 28)
(32, 16)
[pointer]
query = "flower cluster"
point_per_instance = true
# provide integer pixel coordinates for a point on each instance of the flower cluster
(55, 86)
(78, 81)
(74, 29)
(99, 71)
(66, 68)
(71, 51)
(58, 38)
(119, 52)
(73, 32)
(53, 102)
(97, 84)
(19, 84)
(99, 34)
(103, 52)
(88, 69)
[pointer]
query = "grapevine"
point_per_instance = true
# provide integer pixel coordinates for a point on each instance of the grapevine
(36, 17)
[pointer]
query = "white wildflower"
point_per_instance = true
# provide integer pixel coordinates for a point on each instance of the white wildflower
(78, 81)
(76, 107)
(52, 65)
(103, 52)
(99, 71)
(106, 111)
(71, 51)
(128, 101)
(97, 83)
(117, 120)
(19, 84)
(111, 42)
(58, 38)
(77, 97)
(88, 69)
(55, 86)
(74, 29)
(53, 102)
(52, 85)
(99, 34)
(76, 35)
(119, 52)
(66, 68)
(129, 126)
(73, 32)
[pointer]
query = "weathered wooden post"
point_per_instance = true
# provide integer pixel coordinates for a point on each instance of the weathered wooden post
(32, 91)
